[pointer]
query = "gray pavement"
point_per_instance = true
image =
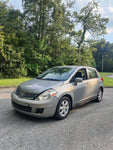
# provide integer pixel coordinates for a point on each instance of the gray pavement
(89, 127)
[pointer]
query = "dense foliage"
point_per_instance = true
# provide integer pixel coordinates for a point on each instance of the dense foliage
(104, 56)
(44, 36)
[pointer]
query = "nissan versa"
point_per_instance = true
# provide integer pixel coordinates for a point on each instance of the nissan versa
(56, 91)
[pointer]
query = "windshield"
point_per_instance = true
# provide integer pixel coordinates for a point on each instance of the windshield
(57, 74)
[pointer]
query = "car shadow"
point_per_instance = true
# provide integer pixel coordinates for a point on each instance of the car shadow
(33, 119)
(82, 106)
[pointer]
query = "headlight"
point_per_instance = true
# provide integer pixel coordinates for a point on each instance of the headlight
(46, 95)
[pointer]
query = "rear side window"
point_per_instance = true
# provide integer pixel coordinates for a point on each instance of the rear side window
(92, 73)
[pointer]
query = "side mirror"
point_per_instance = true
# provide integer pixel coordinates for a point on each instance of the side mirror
(78, 80)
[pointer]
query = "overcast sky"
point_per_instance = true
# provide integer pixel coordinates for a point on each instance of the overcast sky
(105, 9)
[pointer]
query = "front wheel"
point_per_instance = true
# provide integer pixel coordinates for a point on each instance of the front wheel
(63, 108)
(99, 95)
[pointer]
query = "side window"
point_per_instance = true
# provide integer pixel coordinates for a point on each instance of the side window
(92, 73)
(80, 74)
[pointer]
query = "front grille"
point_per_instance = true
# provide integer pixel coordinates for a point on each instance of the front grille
(21, 107)
(25, 95)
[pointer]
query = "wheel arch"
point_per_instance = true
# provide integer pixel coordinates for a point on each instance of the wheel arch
(70, 98)
(101, 87)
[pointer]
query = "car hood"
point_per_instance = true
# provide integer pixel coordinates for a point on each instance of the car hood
(37, 85)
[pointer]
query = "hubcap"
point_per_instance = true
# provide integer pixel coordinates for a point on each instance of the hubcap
(64, 108)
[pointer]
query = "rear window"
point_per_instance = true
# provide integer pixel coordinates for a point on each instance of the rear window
(92, 73)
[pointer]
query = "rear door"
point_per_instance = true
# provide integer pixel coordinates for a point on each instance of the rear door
(93, 81)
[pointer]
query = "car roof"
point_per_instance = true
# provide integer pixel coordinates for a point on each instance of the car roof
(72, 66)
(76, 67)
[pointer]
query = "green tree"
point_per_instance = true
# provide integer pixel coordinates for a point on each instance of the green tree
(12, 56)
(105, 52)
(1, 40)
(90, 21)
(42, 36)
(47, 24)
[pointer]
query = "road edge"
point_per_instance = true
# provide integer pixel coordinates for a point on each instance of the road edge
(3, 87)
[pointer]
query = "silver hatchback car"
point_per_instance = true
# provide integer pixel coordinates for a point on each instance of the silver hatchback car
(58, 90)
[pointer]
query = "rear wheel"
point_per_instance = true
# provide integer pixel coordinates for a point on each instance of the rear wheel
(99, 95)
(63, 108)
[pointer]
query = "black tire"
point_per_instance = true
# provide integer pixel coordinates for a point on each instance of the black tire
(63, 108)
(99, 95)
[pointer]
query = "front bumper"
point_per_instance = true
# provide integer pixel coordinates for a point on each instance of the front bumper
(44, 108)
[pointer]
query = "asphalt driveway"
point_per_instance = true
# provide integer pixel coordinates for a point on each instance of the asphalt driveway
(89, 127)
(110, 76)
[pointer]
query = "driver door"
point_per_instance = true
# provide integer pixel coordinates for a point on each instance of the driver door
(81, 90)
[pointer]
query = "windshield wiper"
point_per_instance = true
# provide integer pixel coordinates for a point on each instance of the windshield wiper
(51, 79)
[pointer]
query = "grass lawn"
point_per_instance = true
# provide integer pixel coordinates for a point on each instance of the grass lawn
(13, 82)
(107, 81)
